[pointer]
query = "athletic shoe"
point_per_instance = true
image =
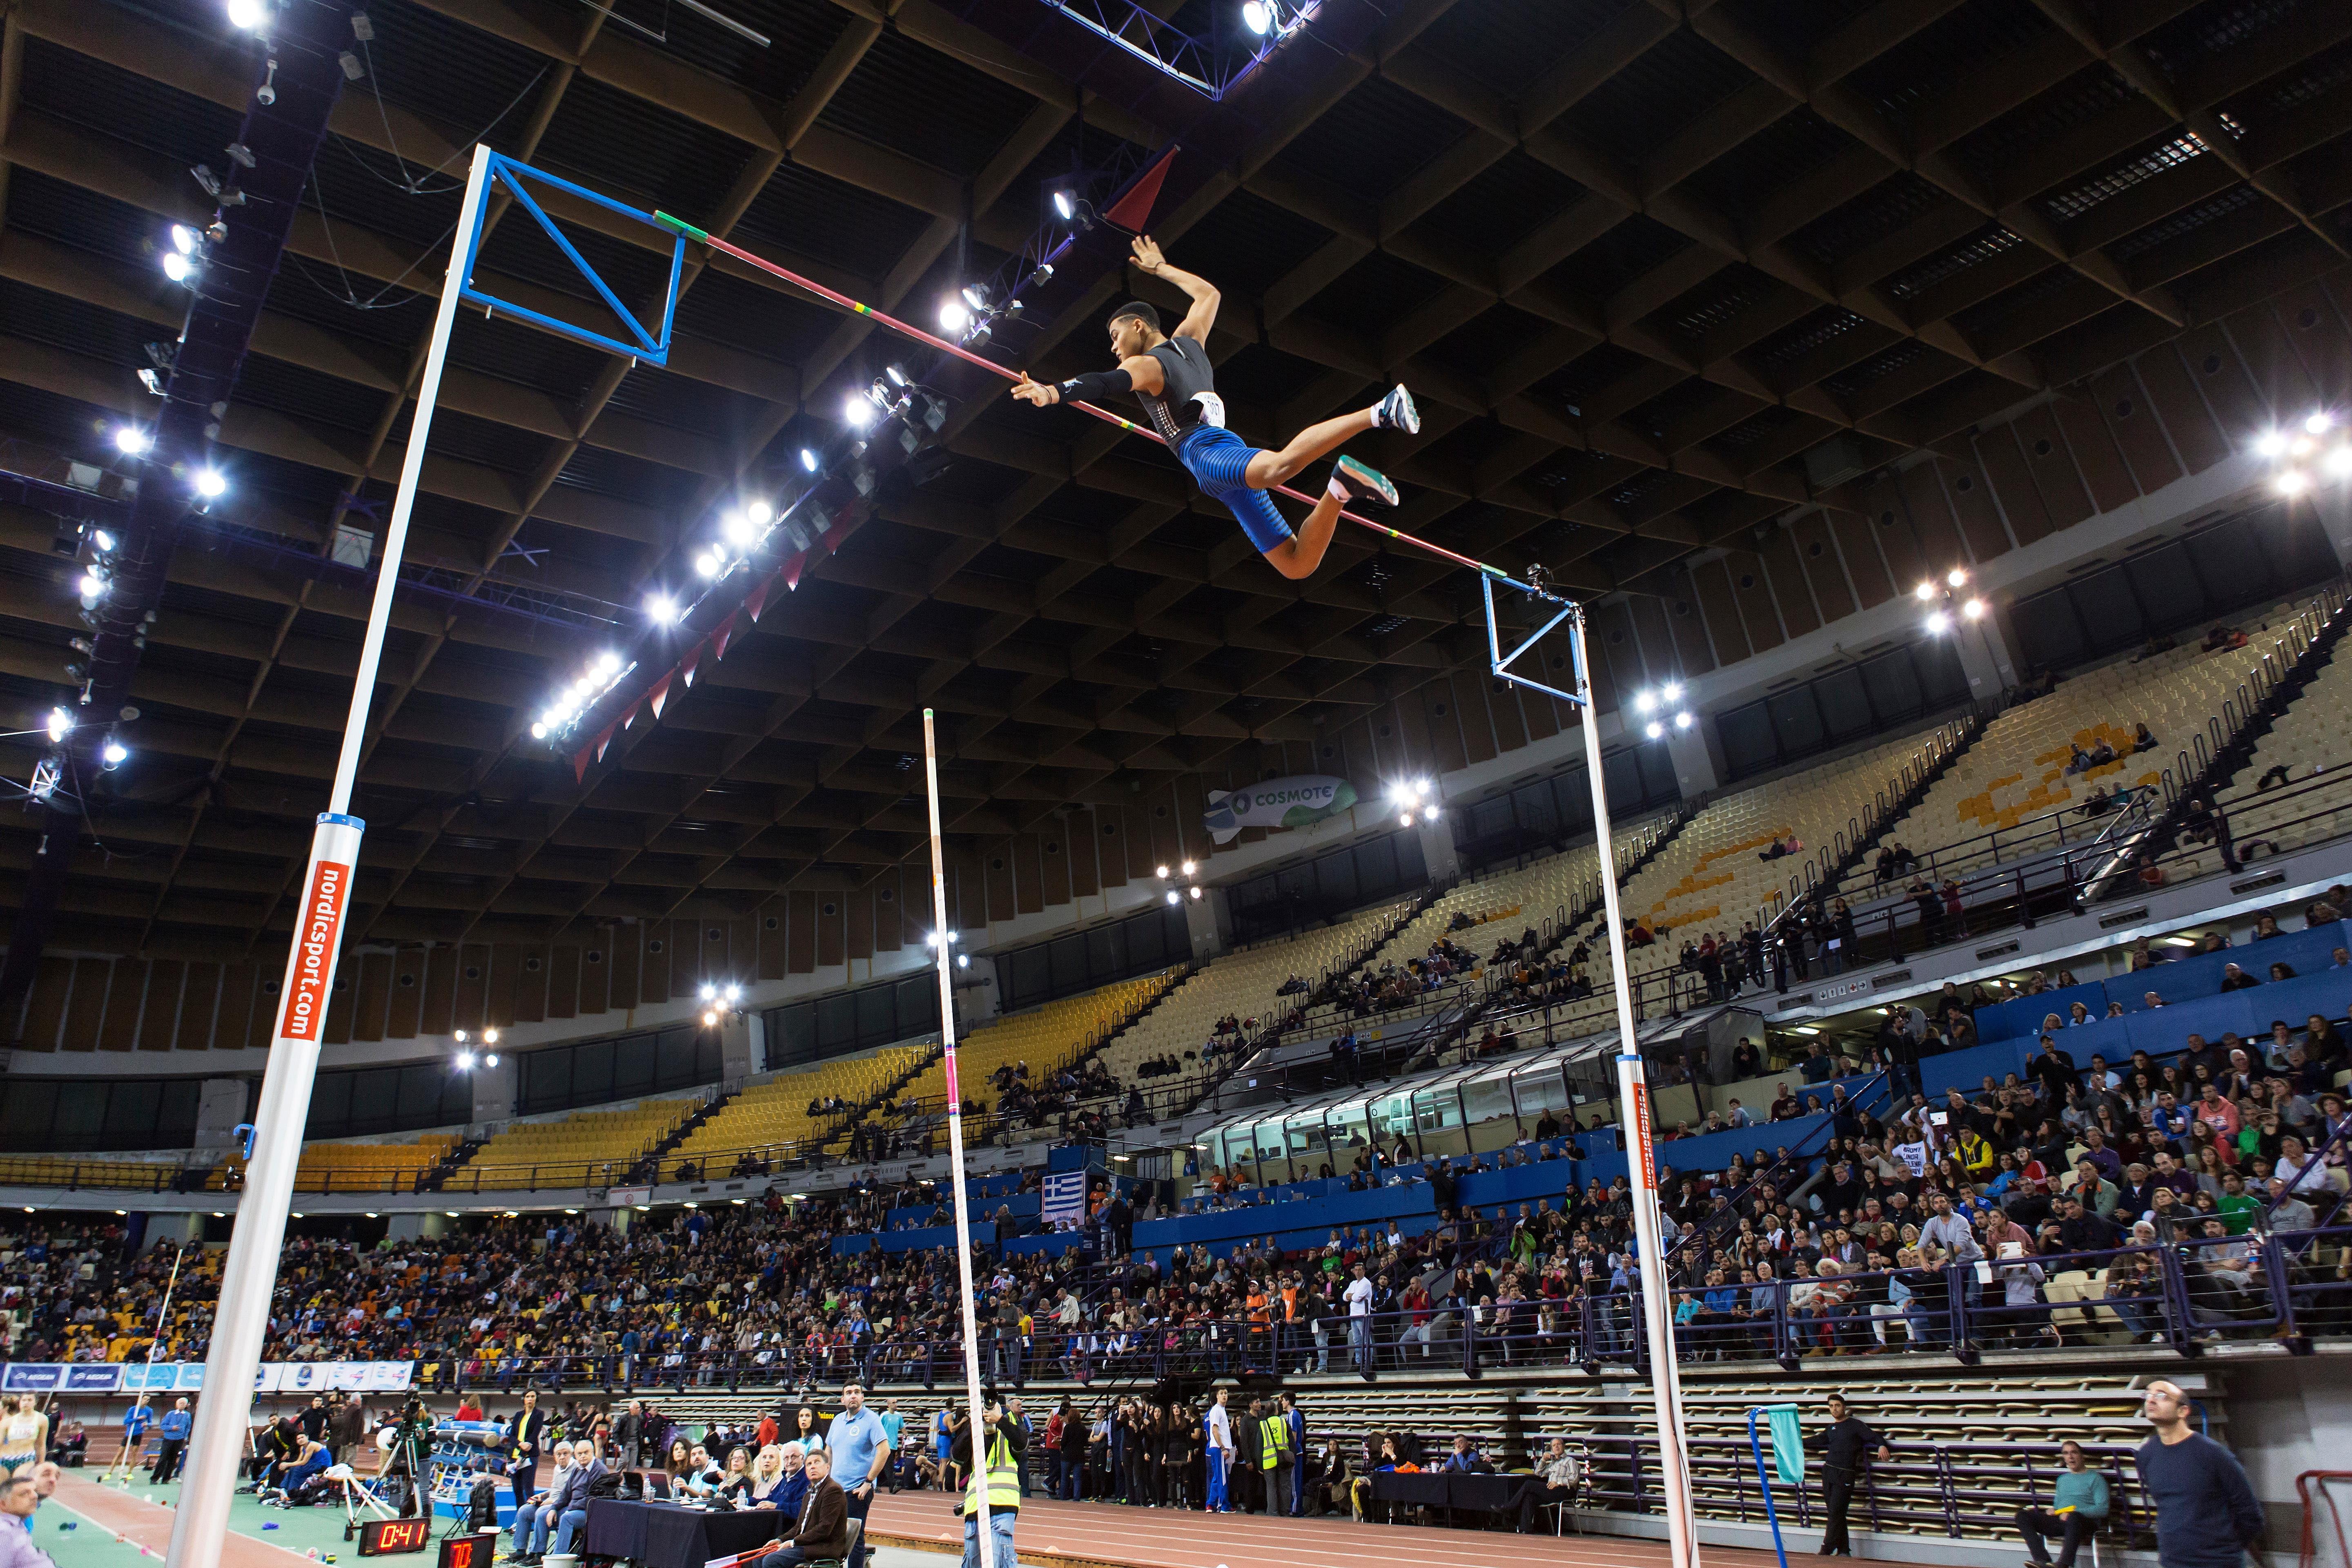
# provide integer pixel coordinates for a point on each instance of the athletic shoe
(1363, 483)
(1396, 412)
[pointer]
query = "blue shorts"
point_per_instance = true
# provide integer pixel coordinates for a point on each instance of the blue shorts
(1218, 461)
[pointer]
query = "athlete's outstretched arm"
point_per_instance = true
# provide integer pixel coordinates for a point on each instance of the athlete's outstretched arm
(1202, 319)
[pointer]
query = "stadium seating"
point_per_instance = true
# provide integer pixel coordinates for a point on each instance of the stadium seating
(2016, 770)
(775, 1114)
(1243, 984)
(93, 1171)
(588, 1146)
(1045, 1038)
(2314, 733)
(370, 1167)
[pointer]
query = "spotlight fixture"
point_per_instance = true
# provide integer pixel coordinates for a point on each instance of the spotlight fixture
(210, 485)
(1161, 873)
(1683, 721)
(808, 459)
(184, 238)
(151, 382)
(176, 267)
(1188, 868)
(661, 609)
(103, 540)
(92, 584)
(1260, 16)
(1646, 702)
(709, 563)
(953, 317)
(1043, 276)
(1939, 622)
(61, 723)
(976, 296)
(1955, 576)
(1065, 206)
(739, 529)
(2270, 443)
(464, 1061)
(964, 961)
(1974, 609)
(760, 512)
(1171, 892)
(247, 16)
(113, 753)
(2338, 462)
(490, 1060)
(859, 410)
(1655, 731)
(1196, 891)
(2320, 422)
(1672, 691)
(1924, 592)
(2293, 482)
(131, 441)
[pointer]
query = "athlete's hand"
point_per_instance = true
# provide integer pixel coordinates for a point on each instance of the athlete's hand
(1147, 253)
(1042, 393)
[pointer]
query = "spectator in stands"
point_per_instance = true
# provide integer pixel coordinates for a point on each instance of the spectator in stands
(2236, 979)
(2223, 637)
(2207, 1515)
(2143, 738)
(2078, 1506)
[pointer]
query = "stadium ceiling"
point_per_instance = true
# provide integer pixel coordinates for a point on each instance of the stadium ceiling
(1637, 259)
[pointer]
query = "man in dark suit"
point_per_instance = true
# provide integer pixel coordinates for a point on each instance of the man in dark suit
(823, 1528)
(571, 1507)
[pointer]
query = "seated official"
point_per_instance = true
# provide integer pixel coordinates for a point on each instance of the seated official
(822, 1529)
(2078, 1506)
(1561, 1473)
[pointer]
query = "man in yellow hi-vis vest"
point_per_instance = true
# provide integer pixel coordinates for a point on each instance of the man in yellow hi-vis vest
(1006, 1443)
(1275, 1458)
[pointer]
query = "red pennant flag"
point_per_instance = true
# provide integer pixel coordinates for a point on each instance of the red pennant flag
(580, 764)
(758, 598)
(1132, 211)
(693, 657)
(606, 739)
(660, 693)
(724, 635)
(793, 569)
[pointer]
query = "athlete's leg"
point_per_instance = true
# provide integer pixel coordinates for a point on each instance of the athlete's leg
(1396, 412)
(1271, 468)
(1297, 556)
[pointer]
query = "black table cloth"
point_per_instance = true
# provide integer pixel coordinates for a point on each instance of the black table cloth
(1476, 1494)
(664, 1535)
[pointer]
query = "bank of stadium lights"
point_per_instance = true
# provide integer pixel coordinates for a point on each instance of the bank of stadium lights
(602, 674)
(970, 314)
(1950, 607)
(466, 1057)
(1413, 797)
(131, 441)
(2303, 456)
(1272, 19)
(1659, 710)
(1187, 876)
(247, 16)
(719, 1003)
(931, 940)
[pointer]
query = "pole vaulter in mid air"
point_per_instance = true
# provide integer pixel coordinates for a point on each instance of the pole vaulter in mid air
(1172, 378)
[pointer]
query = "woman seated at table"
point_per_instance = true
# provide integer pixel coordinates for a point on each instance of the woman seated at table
(735, 1481)
(767, 1479)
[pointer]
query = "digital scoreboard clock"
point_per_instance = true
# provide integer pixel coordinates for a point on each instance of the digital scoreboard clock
(382, 1537)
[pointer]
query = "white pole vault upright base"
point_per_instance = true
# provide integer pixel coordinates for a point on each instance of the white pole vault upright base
(1634, 1116)
(940, 950)
(241, 1321)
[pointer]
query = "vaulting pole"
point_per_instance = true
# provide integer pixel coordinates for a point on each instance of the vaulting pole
(944, 951)
(241, 1320)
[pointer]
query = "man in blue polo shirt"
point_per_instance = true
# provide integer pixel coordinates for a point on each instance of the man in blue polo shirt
(860, 1446)
(136, 1422)
(174, 1432)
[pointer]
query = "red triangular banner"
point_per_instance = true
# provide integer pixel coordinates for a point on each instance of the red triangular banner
(606, 739)
(1132, 211)
(758, 600)
(686, 666)
(793, 569)
(660, 693)
(724, 635)
(580, 763)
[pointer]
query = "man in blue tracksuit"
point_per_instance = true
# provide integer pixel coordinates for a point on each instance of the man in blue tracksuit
(1219, 1454)
(174, 1431)
(137, 1422)
(1298, 1424)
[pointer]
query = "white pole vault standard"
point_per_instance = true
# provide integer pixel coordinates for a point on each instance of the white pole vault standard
(940, 946)
(241, 1321)
(1634, 1116)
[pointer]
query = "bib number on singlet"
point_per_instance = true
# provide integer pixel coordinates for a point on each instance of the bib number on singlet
(1212, 408)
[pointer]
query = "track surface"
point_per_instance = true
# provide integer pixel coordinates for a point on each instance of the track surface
(1103, 1533)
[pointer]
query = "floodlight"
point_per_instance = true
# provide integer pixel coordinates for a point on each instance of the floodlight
(808, 459)
(1655, 731)
(1924, 592)
(2270, 443)
(210, 485)
(1672, 691)
(61, 723)
(2320, 422)
(131, 440)
(661, 609)
(1939, 622)
(1974, 609)
(113, 753)
(1955, 576)
(1258, 16)
(2293, 482)
(184, 238)
(1646, 702)
(954, 317)
(177, 266)
(1065, 206)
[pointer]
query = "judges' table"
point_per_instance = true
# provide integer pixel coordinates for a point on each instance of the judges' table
(1452, 1491)
(664, 1535)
